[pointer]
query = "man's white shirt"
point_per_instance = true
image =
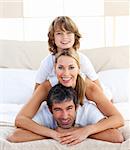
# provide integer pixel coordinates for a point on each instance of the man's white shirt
(86, 114)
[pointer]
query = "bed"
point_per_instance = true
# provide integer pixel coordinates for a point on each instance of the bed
(19, 61)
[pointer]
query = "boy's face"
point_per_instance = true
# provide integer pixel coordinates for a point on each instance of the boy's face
(63, 39)
(64, 113)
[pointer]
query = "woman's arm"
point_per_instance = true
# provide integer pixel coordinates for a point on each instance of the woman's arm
(36, 86)
(21, 135)
(98, 83)
(24, 117)
(95, 94)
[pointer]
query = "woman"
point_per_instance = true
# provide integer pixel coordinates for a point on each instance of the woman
(68, 73)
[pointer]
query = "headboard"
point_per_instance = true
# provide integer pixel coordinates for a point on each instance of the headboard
(28, 54)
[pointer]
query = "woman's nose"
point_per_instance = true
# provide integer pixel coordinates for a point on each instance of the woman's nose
(66, 72)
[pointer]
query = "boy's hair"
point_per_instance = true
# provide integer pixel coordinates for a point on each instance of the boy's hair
(59, 93)
(65, 24)
(80, 87)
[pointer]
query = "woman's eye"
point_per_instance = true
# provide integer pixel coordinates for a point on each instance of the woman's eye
(71, 67)
(60, 67)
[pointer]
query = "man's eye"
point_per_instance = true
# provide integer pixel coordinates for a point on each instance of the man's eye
(57, 110)
(69, 108)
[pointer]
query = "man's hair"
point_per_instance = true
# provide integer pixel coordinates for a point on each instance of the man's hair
(60, 93)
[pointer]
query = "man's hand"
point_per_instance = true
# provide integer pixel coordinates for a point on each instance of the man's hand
(73, 135)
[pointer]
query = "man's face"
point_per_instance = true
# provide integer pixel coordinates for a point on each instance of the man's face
(64, 113)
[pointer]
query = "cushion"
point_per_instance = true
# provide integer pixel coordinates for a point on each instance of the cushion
(28, 54)
(16, 85)
(22, 54)
(117, 80)
(108, 58)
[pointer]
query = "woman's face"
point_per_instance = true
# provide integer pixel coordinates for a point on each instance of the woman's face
(67, 71)
(63, 39)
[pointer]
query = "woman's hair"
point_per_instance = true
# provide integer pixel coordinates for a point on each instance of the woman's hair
(65, 24)
(80, 82)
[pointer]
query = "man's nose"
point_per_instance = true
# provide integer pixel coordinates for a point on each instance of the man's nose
(65, 115)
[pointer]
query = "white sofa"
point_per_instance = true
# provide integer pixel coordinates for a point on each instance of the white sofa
(18, 63)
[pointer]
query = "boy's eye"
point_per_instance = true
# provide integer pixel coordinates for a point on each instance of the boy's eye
(58, 33)
(69, 32)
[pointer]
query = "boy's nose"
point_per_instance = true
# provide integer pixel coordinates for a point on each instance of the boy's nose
(65, 35)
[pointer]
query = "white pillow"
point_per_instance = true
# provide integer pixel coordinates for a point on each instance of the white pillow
(118, 81)
(16, 85)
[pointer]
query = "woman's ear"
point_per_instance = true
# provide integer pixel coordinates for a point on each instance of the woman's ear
(77, 105)
(55, 67)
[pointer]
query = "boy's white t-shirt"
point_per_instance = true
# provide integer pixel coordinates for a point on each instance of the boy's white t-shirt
(46, 69)
(86, 114)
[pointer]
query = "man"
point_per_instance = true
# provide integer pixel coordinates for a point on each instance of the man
(63, 119)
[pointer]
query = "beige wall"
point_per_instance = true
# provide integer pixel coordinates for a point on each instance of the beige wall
(11, 8)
